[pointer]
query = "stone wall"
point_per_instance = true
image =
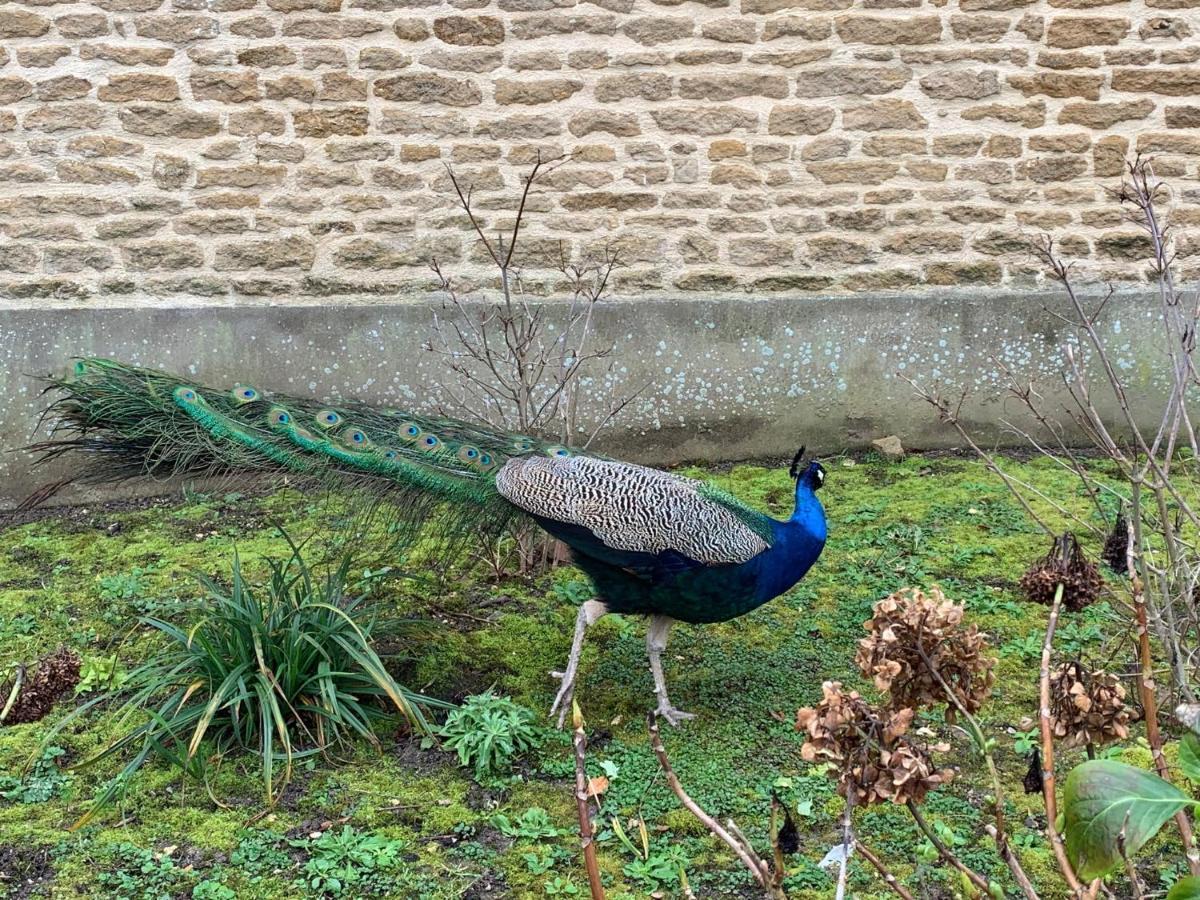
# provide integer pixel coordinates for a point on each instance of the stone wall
(267, 149)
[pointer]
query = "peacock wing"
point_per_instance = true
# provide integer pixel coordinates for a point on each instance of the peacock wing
(632, 508)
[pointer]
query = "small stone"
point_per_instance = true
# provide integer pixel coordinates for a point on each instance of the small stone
(883, 114)
(352, 120)
(469, 31)
(953, 84)
(1071, 32)
(131, 86)
(889, 447)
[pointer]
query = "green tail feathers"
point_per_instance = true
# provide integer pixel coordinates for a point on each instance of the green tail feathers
(136, 422)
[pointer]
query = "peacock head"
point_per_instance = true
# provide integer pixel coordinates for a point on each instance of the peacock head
(811, 476)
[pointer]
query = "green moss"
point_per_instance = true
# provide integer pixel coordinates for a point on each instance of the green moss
(918, 521)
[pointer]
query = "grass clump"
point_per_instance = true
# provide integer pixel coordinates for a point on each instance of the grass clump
(284, 670)
(488, 732)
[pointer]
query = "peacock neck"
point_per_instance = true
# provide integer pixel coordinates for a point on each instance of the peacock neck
(798, 542)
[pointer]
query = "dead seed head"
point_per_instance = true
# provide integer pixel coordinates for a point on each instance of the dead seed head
(1065, 564)
(55, 674)
(870, 749)
(913, 634)
(1087, 707)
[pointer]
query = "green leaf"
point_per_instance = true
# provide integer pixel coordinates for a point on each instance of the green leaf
(1185, 889)
(1104, 797)
(1189, 757)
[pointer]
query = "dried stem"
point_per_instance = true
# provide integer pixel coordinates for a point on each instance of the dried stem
(999, 831)
(586, 835)
(847, 845)
(1149, 701)
(1014, 864)
(945, 852)
(888, 878)
(1044, 726)
(731, 836)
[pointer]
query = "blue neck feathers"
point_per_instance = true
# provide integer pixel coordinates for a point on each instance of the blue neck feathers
(798, 543)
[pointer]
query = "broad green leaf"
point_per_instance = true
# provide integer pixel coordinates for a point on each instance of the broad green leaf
(1102, 797)
(1189, 757)
(1185, 889)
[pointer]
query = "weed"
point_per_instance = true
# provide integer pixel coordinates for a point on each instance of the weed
(258, 853)
(210, 889)
(488, 732)
(534, 824)
(349, 862)
(101, 673)
(43, 782)
(560, 887)
(138, 874)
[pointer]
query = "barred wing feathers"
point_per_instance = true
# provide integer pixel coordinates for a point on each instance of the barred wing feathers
(634, 508)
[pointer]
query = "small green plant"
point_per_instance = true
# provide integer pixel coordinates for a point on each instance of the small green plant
(541, 863)
(258, 853)
(42, 782)
(123, 586)
(1025, 741)
(285, 670)
(101, 673)
(349, 862)
(560, 887)
(488, 732)
(210, 889)
(134, 873)
(533, 825)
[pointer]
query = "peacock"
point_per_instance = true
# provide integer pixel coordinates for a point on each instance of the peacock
(651, 542)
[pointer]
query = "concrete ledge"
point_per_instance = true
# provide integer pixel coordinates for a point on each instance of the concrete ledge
(727, 378)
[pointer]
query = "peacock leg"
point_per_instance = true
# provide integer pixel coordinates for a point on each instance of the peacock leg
(656, 643)
(589, 612)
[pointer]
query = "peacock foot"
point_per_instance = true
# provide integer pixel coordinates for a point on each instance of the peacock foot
(562, 701)
(673, 715)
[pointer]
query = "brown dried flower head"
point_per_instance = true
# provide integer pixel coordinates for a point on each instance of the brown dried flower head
(914, 634)
(56, 674)
(871, 750)
(1087, 707)
(1065, 564)
(1116, 546)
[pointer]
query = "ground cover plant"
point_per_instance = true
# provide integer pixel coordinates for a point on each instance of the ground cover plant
(922, 520)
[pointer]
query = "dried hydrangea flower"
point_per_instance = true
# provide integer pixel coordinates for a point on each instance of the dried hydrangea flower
(1065, 564)
(911, 626)
(56, 674)
(1087, 707)
(874, 757)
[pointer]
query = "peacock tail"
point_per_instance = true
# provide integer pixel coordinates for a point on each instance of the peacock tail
(132, 422)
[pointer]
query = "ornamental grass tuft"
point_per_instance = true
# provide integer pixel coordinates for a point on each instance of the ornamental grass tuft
(284, 670)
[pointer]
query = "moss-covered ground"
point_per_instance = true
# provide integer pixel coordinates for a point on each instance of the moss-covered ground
(82, 577)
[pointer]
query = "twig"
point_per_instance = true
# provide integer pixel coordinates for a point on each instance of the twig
(888, 878)
(945, 852)
(847, 845)
(1135, 883)
(18, 680)
(586, 837)
(1014, 865)
(1047, 734)
(1150, 702)
(741, 848)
